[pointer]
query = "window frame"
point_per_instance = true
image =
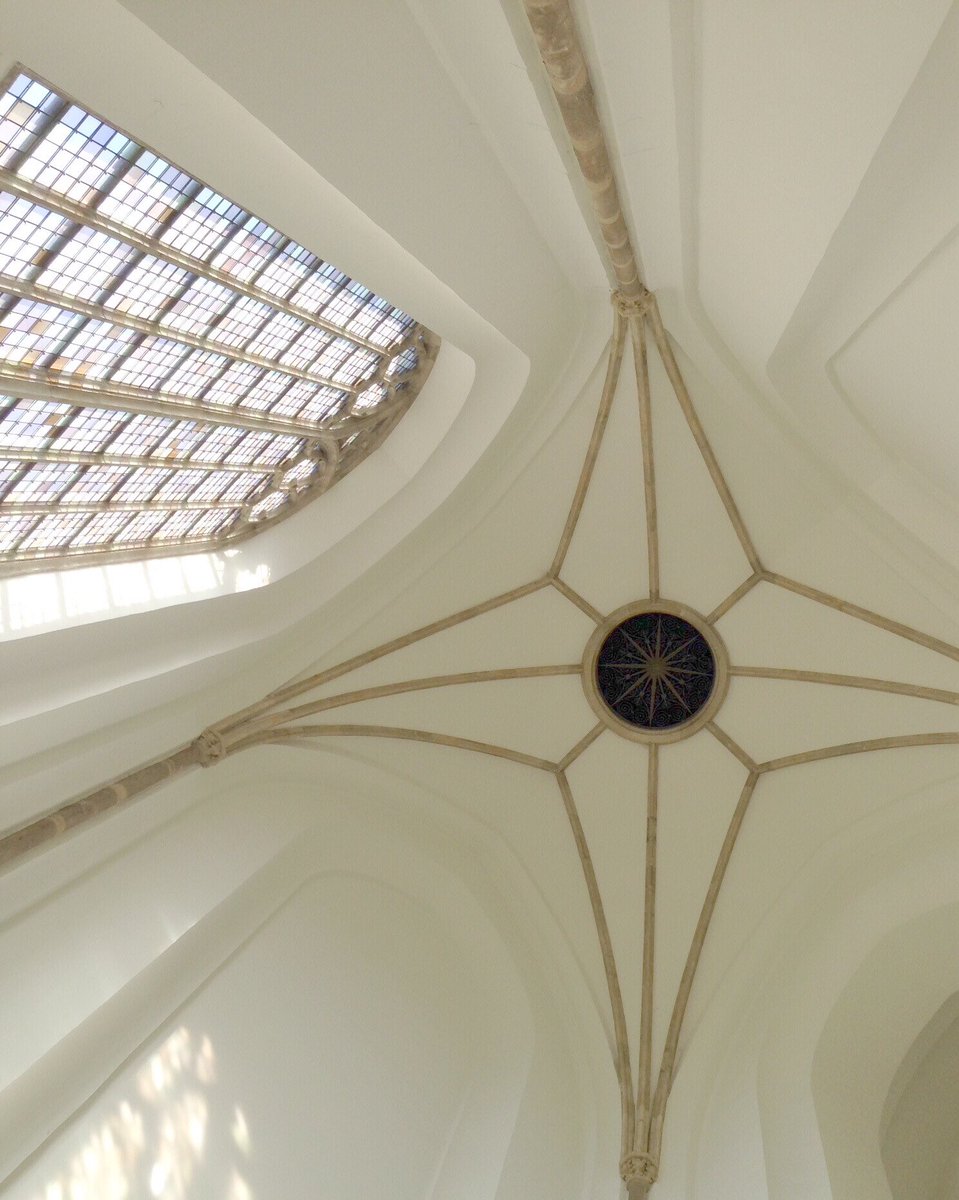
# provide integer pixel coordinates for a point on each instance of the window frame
(368, 434)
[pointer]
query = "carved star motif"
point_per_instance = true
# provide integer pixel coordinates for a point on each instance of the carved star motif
(655, 670)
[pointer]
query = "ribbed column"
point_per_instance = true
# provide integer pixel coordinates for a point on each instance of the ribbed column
(559, 46)
(112, 795)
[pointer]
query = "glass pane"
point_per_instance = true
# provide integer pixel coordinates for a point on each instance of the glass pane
(103, 347)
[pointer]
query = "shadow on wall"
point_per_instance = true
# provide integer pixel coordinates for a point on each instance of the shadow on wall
(918, 1142)
(885, 1073)
(46, 600)
(154, 1142)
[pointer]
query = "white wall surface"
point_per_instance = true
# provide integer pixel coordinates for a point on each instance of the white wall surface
(375, 1022)
(347, 1048)
(920, 1126)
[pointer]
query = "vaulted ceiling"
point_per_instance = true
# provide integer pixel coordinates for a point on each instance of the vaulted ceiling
(789, 183)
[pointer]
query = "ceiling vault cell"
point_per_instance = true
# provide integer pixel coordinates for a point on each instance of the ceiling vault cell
(282, 717)
(276, 720)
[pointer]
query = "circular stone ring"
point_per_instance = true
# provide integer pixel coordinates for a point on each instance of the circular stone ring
(655, 671)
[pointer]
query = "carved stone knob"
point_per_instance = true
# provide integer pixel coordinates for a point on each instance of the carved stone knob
(210, 747)
(638, 1169)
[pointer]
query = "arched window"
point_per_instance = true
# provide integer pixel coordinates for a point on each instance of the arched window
(175, 373)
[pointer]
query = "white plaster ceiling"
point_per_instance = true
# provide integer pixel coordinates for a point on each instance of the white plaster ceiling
(762, 153)
(793, 190)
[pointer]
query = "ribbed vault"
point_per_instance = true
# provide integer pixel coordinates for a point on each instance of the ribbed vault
(295, 715)
(651, 519)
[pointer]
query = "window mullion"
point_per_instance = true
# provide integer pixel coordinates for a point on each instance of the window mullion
(37, 135)
(128, 243)
(87, 216)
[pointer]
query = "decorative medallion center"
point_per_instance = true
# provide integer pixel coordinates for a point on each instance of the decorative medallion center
(655, 671)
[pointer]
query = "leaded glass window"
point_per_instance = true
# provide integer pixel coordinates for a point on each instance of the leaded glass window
(175, 373)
